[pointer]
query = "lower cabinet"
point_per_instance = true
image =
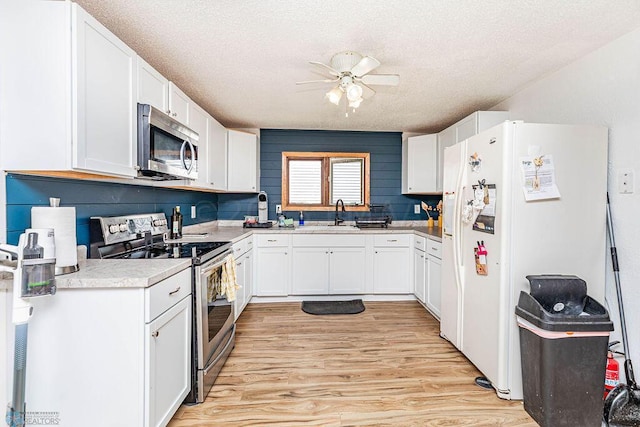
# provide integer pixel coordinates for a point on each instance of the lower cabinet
(272, 264)
(392, 262)
(168, 368)
(434, 273)
(244, 275)
(433, 291)
(328, 271)
(419, 275)
(112, 356)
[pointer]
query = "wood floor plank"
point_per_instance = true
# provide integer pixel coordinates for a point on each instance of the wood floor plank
(384, 366)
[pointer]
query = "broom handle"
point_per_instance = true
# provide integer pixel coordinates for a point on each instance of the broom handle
(616, 272)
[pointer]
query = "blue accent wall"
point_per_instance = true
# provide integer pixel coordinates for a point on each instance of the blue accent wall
(385, 169)
(92, 198)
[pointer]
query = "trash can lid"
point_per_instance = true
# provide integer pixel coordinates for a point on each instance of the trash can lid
(559, 294)
(593, 318)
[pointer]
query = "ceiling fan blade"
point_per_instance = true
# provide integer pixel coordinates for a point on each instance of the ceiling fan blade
(381, 79)
(367, 92)
(366, 65)
(318, 81)
(326, 68)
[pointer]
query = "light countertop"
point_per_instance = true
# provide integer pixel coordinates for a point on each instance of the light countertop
(142, 273)
(114, 273)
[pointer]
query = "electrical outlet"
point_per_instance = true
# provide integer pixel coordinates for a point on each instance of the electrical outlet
(625, 181)
(193, 211)
(278, 209)
(416, 209)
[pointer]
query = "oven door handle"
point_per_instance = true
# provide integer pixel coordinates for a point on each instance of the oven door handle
(219, 356)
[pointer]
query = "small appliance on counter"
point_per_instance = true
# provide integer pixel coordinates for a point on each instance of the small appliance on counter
(263, 207)
(33, 276)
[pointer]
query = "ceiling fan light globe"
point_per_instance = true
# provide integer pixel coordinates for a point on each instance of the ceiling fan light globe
(354, 92)
(334, 95)
(355, 104)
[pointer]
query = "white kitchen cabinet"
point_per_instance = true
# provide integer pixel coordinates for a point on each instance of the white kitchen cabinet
(81, 88)
(328, 264)
(199, 122)
(242, 166)
(419, 268)
(467, 127)
(419, 164)
(153, 87)
(216, 156)
(434, 272)
(243, 253)
(272, 264)
(327, 270)
(392, 264)
(347, 273)
(310, 271)
(158, 91)
(179, 105)
(168, 367)
(119, 347)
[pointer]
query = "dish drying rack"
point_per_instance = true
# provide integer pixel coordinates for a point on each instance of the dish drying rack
(373, 222)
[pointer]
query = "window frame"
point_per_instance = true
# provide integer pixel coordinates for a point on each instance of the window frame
(325, 157)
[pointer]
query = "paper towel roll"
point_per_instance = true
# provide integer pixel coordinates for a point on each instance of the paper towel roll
(63, 222)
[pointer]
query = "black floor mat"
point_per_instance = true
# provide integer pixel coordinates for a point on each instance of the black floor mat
(333, 307)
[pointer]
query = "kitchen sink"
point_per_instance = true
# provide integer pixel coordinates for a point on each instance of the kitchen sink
(329, 228)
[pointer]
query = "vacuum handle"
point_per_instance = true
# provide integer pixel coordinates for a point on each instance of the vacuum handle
(628, 371)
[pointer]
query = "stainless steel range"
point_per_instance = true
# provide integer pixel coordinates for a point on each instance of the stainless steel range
(141, 236)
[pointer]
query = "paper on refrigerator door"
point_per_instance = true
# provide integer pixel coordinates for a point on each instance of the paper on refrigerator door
(539, 181)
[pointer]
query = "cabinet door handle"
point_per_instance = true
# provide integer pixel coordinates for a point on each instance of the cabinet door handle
(392, 240)
(271, 240)
(155, 334)
(174, 291)
(238, 263)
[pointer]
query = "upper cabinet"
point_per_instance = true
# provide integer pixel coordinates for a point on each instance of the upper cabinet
(217, 156)
(158, 91)
(81, 91)
(242, 162)
(199, 122)
(423, 155)
(179, 105)
(153, 87)
(419, 172)
(466, 128)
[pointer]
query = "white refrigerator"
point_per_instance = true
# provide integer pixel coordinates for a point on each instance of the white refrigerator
(519, 199)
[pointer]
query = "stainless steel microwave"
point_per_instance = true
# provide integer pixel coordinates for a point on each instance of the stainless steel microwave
(167, 149)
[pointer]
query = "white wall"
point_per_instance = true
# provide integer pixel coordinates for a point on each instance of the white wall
(602, 88)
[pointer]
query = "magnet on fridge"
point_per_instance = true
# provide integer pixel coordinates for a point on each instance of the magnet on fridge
(480, 255)
(475, 162)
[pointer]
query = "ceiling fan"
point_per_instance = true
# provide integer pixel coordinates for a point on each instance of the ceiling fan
(351, 71)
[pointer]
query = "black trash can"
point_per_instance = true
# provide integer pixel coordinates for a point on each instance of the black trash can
(564, 335)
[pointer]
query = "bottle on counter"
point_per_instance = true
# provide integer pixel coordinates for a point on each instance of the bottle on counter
(301, 219)
(176, 223)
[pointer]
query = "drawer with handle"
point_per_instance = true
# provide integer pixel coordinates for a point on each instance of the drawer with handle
(420, 243)
(266, 240)
(392, 239)
(163, 295)
(434, 248)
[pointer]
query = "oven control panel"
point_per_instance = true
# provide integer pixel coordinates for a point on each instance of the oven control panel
(124, 228)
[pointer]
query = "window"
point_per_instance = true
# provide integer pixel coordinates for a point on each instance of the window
(315, 181)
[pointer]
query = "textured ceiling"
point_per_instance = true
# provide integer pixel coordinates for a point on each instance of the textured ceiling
(240, 59)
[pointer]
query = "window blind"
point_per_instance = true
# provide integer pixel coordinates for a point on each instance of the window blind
(346, 181)
(305, 181)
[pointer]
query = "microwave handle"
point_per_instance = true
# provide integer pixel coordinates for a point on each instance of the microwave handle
(182, 159)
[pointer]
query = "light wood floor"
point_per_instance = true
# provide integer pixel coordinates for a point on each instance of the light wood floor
(385, 366)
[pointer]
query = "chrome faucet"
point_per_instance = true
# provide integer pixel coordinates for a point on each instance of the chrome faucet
(338, 220)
